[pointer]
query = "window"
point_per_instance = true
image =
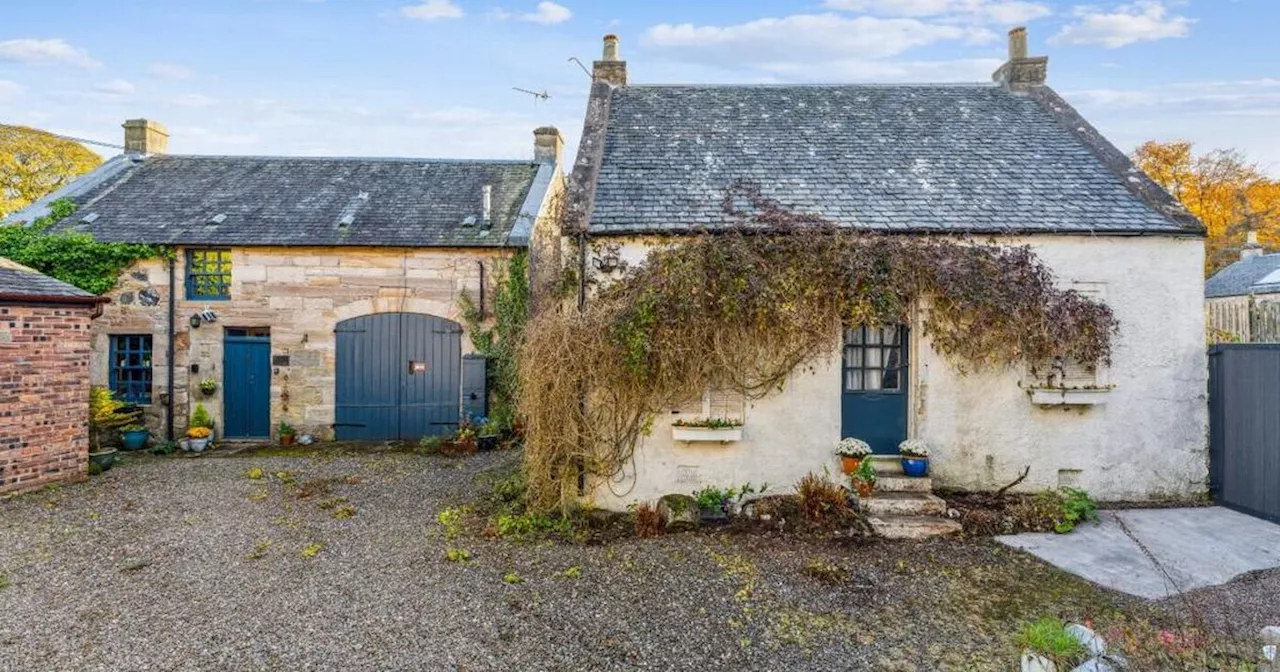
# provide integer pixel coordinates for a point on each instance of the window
(209, 274)
(130, 375)
(717, 402)
(1066, 373)
(873, 358)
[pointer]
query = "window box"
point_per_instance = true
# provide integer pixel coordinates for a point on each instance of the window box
(706, 434)
(1058, 396)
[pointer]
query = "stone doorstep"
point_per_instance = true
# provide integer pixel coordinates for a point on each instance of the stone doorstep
(889, 483)
(913, 527)
(904, 504)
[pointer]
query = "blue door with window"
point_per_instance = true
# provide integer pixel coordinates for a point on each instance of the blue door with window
(874, 386)
(246, 385)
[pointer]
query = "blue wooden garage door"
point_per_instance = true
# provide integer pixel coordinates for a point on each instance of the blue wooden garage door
(398, 376)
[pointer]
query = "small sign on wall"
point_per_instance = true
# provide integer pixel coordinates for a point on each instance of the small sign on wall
(417, 367)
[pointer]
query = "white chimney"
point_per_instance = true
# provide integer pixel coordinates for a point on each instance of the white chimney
(1251, 247)
(488, 203)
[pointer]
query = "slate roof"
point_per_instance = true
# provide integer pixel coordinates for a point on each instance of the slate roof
(18, 281)
(972, 158)
(172, 199)
(1254, 275)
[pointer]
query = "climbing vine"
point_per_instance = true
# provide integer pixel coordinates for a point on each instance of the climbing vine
(746, 306)
(499, 343)
(72, 257)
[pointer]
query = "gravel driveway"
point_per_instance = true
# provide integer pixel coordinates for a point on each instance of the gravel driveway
(189, 564)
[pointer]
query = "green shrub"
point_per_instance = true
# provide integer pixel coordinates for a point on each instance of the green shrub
(1049, 637)
(529, 523)
(1076, 507)
(458, 555)
(200, 417)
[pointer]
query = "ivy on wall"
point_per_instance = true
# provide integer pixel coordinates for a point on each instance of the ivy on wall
(72, 257)
(500, 342)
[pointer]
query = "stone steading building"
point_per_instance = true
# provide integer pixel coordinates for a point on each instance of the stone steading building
(319, 292)
(44, 382)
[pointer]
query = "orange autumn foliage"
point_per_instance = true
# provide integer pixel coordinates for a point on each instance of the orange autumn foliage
(1222, 188)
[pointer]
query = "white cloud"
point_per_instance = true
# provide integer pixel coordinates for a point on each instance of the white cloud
(169, 71)
(433, 10)
(10, 91)
(807, 37)
(45, 52)
(548, 13)
(1237, 96)
(1140, 21)
(998, 11)
(116, 87)
(191, 100)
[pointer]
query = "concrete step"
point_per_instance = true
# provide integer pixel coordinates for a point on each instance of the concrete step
(891, 483)
(904, 504)
(886, 464)
(913, 527)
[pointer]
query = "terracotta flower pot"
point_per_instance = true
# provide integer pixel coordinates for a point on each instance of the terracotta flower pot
(286, 439)
(864, 488)
(850, 465)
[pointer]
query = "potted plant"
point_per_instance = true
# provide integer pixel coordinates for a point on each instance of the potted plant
(208, 386)
(286, 432)
(488, 433)
(198, 439)
(864, 479)
(852, 452)
(715, 505)
(915, 457)
(105, 416)
(707, 429)
(200, 418)
(134, 436)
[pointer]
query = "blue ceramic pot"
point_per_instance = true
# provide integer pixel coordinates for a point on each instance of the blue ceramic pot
(915, 467)
(136, 440)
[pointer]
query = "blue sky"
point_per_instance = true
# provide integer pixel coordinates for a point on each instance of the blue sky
(434, 78)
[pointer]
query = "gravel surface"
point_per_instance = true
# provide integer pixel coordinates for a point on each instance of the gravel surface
(188, 564)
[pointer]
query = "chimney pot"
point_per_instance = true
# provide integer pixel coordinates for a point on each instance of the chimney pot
(610, 69)
(1017, 43)
(1251, 247)
(143, 136)
(548, 145)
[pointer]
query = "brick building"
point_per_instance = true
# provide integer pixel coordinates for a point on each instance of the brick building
(44, 379)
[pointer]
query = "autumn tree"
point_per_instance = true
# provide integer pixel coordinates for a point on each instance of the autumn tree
(34, 163)
(1230, 194)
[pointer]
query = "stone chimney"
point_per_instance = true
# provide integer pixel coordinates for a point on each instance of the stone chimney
(548, 145)
(1251, 247)
(1021, 72)
(143, 136)
(610, 69)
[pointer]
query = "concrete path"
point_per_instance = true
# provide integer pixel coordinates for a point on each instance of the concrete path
(1196, 547)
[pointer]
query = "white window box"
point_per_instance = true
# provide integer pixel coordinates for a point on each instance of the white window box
(706, 434)
(1058, 396)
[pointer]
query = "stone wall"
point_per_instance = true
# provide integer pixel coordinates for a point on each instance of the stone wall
(1147, 439)
(300, 294)
(44, 395)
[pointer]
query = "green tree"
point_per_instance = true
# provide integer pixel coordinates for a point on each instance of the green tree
(34, 163)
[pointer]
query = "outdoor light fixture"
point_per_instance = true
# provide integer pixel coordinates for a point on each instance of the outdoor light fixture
(607, 262)
(195, 321)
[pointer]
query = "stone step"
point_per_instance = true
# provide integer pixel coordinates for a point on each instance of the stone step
(913, 527)
(898, 483)
(904, 504)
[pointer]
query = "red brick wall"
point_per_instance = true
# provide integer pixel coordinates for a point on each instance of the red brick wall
(44, 395)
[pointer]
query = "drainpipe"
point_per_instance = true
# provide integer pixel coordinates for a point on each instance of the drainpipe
(582, 271)
(481, 264)
(173, 309)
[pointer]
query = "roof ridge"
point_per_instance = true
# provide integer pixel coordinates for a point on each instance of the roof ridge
(384, 159)
(822, 85)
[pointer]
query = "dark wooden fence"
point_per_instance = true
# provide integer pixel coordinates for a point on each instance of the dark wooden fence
(1244, 427)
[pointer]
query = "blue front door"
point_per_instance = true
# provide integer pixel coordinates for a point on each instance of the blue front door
(874, 385)
(246, 384)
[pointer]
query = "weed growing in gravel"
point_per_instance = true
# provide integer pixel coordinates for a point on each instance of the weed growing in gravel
(285, 477)
(826, 572)
(134, 564)
(512, 578)
(742, 569)
(461, 555)
(1049, 637)
(259, 494)
(451, 519)
(529, 523)
(4, 582)
(343, 512)
(259, 550)
(331, 504)
(821, 500)
(574, 572)
(256, 474)
(803, 628)
(311, 550)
